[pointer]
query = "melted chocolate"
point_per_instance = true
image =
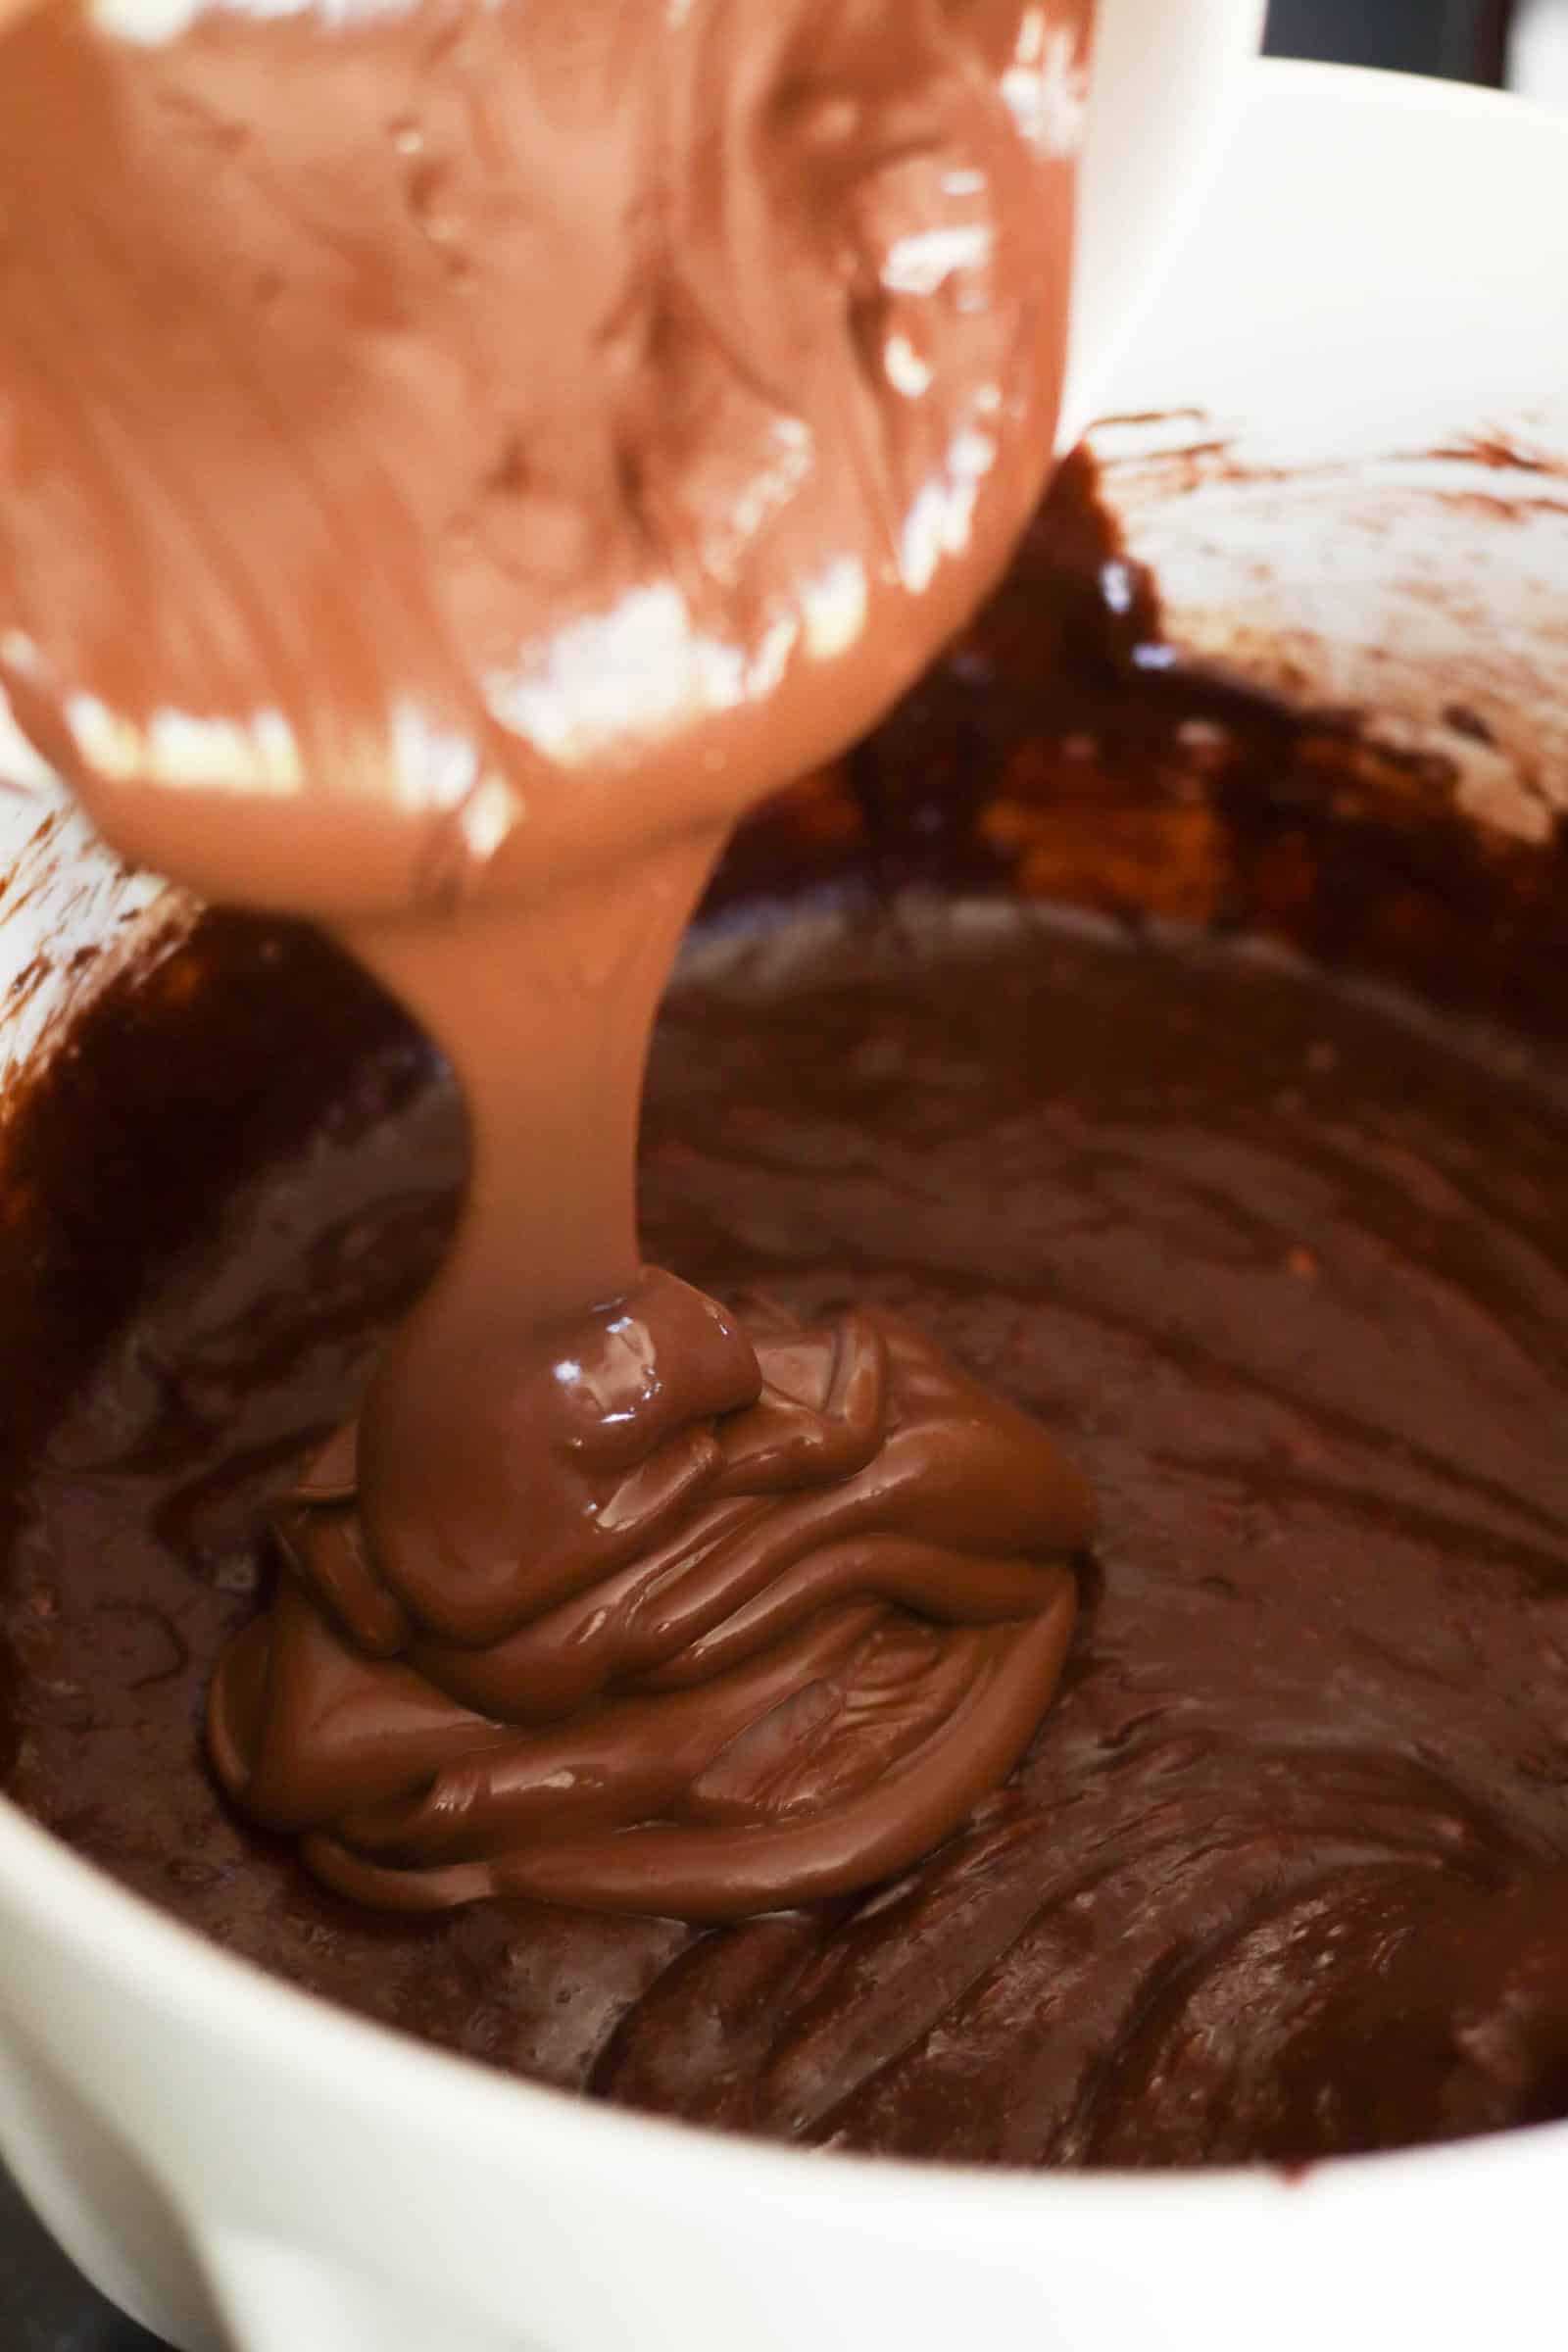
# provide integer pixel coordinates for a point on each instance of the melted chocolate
(451, 449)
(528, 437)
(728, 1670)
(1284, 1869)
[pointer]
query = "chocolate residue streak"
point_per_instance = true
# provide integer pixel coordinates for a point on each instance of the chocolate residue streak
(526, 437)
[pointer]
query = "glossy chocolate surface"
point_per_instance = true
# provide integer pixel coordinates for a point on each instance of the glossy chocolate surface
(1282, 1872)
(528, 437)
(1286, 1866)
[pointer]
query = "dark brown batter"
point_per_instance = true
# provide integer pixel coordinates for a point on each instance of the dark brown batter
(1286, 1870)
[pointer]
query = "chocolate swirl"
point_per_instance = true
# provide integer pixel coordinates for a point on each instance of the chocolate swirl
(794, 1596)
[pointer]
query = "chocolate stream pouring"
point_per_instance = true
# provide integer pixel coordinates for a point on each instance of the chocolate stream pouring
(451, 463)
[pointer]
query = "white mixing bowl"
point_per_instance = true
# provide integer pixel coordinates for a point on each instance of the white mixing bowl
(1340, 446)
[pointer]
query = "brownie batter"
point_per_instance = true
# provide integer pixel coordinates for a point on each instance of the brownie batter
(1286, 1868)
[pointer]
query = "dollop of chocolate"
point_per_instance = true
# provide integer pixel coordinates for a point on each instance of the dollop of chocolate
(790, 1600)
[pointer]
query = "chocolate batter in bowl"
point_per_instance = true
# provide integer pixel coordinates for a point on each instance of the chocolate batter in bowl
(1374, 1196)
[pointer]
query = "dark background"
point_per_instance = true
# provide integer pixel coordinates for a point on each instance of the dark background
(1463, 38)
(45, 2307)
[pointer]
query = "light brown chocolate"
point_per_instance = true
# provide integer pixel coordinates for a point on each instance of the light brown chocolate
(450, 449)
(780, 1621)
(454, 462)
